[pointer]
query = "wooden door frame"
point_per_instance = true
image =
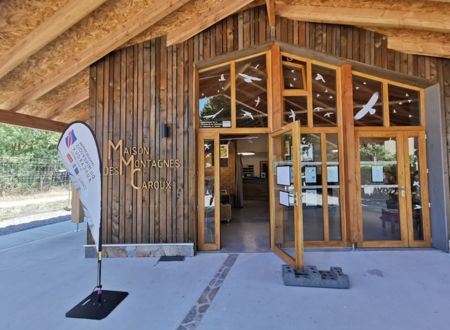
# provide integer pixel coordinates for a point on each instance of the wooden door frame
(403, 179)
(201, 137)
(298, 262)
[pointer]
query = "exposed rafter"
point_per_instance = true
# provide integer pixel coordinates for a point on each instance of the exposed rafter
(270, 6)
(418, 15)
(104, 30)
(416, 42)
(18, 119)
(62, 19)
(207, 16)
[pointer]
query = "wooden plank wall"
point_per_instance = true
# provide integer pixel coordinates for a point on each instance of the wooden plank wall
(134, 90)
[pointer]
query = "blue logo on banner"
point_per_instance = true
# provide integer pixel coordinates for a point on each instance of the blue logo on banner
(70, 138)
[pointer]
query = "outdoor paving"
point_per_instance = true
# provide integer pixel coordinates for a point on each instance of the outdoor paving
(43, 274)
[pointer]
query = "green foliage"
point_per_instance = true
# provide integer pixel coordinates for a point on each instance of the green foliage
(27, 143)
(28, 160)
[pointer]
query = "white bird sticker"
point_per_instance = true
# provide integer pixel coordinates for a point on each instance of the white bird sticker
(256, 66)
(207, 146)
(292, 115)
(222, 77)
(247, 114)
(317, 109)
(213, 116)
(368, 107)
(319, 77)
(257, 100)
(328, 114)
(249, 79)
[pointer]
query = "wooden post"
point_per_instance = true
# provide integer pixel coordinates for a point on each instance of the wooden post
(276, 102)
(77, 210)
(350, 149)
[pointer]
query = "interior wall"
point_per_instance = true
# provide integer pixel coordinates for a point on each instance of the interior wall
(259, 147)
(228, 173)
(134, 91)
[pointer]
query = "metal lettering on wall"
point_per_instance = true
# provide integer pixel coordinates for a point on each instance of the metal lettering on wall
(129, 158)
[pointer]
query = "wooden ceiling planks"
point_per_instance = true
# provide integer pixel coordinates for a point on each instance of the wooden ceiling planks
(51, 81)
(66, 95)
(104, 30)
(209, 14)
(62, 19)
(406, 14)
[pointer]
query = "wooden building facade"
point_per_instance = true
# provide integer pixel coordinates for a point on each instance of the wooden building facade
(145, 95)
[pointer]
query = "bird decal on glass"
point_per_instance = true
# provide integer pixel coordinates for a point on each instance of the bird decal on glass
(368, 107)
(222, 77)
(247, 114)
(328, 114)
(317, 109)
(249, 79)
(256, 66)
(319, 77)
(292, 115)
(213, 116)
(257, 100)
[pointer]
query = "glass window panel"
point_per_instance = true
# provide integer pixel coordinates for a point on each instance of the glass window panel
(296, 108)
(251, 92)
(367, 102)
(324, 96)
(215, 98)
(334, 211)
(311, 163)
(294, 73)
(379, 189)
(404, 106)
(416, 196)
(209, 233)
(284, 234)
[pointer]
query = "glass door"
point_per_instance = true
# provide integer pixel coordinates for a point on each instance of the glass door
(393, 199)
(208, 191)
(286, 221)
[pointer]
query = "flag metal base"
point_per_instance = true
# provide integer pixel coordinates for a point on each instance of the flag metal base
(98, 305)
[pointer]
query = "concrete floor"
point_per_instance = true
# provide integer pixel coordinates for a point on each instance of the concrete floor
(248, 230)
(43, 274)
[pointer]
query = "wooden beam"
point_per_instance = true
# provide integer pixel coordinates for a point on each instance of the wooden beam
(209, 15)
(89, 40)
(270, 6)
(423, 15)
(65, 96)
(18, 119)
(416, 42)
(51, 28)
(351, 191)
(276, 81)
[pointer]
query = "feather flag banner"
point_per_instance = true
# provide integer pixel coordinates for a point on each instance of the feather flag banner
(79, 153)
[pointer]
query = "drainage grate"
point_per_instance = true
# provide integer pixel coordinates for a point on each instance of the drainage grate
(171, 258)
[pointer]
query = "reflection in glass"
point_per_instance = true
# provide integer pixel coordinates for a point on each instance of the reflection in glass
(324, 96)
(379, 189)
(209, 232)
(296, 108)
(284, 194)
(294, 73)
(311, 163)
(251, 92)
(416, 197)
(404, 106)
(215, 98)
(334, 212)
(367, 102)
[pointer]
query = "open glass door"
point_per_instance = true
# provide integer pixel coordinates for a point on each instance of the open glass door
(208, 191)
(286, 223)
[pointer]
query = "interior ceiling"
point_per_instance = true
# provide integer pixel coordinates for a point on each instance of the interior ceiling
(47, 46)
